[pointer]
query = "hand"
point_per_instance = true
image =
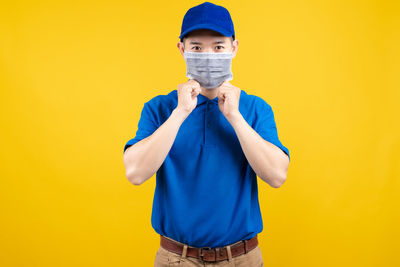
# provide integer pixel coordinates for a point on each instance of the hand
(187, 96)
(228, 99)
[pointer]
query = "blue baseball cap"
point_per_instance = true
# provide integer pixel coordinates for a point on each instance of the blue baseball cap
(208, 16)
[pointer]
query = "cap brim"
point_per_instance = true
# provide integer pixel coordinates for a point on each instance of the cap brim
(206, 26)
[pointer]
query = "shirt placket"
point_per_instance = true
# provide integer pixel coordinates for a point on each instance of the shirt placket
(207, 122)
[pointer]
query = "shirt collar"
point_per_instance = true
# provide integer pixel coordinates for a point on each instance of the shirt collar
(201, 99)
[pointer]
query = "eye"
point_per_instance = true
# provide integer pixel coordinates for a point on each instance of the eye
(219, 46)
(196, 47)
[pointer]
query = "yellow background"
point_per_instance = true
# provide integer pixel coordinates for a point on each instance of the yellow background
(74, 76)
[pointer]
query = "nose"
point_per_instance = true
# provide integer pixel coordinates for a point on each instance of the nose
(208, 50)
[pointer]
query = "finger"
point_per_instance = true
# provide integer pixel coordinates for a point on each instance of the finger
(193, 90)
(221, 95)
(191, 87)
(195, 82)
(227, 84)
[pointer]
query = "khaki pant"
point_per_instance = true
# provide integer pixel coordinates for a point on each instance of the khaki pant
(166, 258)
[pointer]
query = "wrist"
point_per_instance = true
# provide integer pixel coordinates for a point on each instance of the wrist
(180, 114)
(234, 117)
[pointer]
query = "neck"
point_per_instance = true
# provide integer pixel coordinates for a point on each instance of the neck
(209, 93)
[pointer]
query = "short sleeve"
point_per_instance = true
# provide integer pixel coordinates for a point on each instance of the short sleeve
(265, 125)
(147, 125)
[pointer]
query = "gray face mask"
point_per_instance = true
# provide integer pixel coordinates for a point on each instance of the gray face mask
(209, 69)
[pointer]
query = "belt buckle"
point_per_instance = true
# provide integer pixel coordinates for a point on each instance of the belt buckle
(206, 248)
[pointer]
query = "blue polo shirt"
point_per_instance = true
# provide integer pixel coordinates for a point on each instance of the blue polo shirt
(206, 192)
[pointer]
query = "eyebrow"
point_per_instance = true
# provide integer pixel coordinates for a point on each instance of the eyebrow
(216, 42)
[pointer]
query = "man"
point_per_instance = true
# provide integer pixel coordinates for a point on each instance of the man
(207, 141)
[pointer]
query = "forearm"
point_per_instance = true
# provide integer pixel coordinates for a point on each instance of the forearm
(144, 158)
(268, 161)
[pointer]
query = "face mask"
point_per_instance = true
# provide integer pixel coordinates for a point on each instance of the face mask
(209, 69)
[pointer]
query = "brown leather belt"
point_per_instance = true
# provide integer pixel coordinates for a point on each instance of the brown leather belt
(210, 254)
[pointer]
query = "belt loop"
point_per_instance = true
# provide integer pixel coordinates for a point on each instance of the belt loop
(228, 249)
(245, 246)
(184, 251)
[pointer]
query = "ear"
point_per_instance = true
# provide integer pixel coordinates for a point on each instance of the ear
(181, 48)
(235, 47)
